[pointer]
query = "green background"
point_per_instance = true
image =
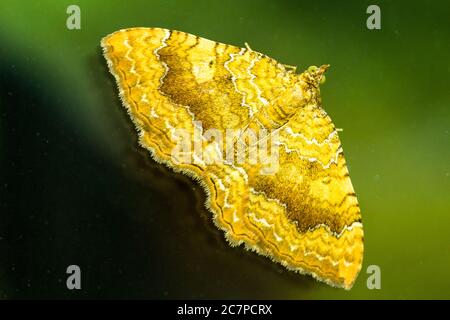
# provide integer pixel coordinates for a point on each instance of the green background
(76, 189)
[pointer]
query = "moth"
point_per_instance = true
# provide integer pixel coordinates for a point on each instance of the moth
(294, 202)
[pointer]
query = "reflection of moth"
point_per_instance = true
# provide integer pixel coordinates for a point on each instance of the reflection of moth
(304, 214)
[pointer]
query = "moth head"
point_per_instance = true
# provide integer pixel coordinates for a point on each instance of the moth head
(310, 81)
(315, 75)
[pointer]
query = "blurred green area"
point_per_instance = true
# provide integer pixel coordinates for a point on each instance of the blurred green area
(388, 89)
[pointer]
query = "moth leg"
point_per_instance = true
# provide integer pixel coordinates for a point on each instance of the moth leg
(293, 68)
